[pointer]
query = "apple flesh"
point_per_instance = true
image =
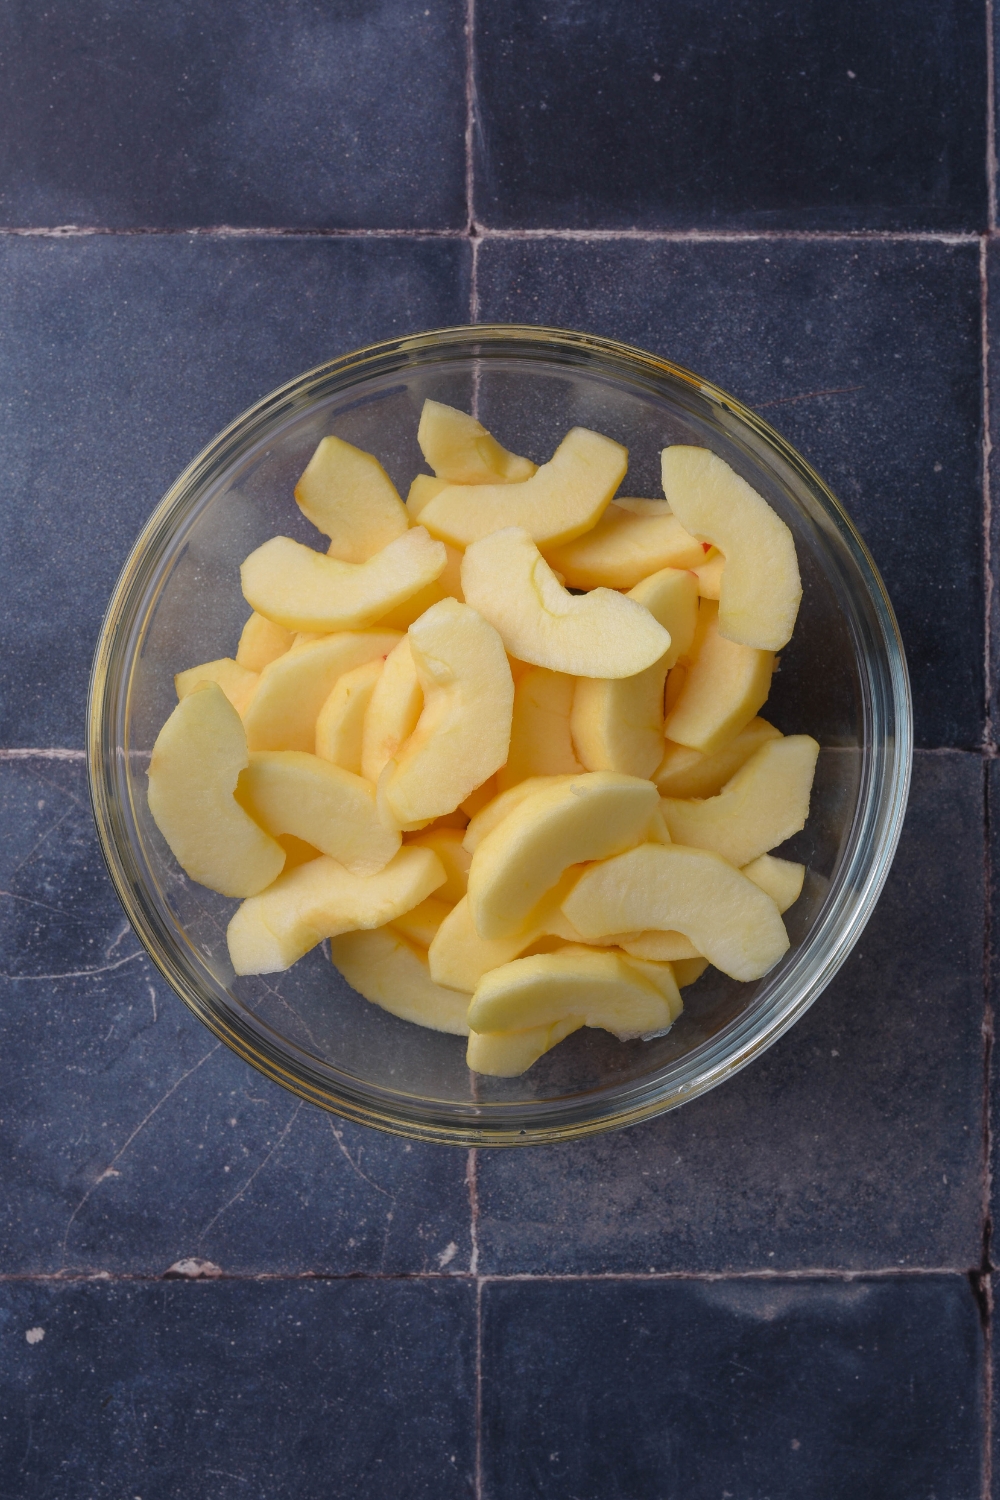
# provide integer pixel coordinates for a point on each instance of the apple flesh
(391, 972)
(393, 711)
(447, 845)
(782, 879)
(496, 809)
(238, 684)
(617, 723)
(460, 450)
(600, 989)
(723, 688)
(507, 1054)
(687, 773)
(459, 957)
(623, 548)
(540, 740)
(283, 711)
(193, 772)
(420, 925)
(262, 642)
(561, 500)
(671, 596)
(600, 634)
(349, 497)
(447, 585)
(664, 947)
(760, 589)
(341, 721)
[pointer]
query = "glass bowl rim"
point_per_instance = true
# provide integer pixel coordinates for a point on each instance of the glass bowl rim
(533, 1122)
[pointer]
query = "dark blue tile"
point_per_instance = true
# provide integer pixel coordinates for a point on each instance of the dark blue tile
(745, 1389)
(132, 1139)
(238, 113)
(239, 1390)
(792, 116)
(119, 358)
(866, 356)
(855, 1142)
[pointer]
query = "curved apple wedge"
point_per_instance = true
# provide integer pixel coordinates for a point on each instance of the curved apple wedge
(540, 740)
(290, 791)
(600, 634)
(602, 989)
(507, 1054)
(193, 771)
(625, 547)
(348, 496)
(283, 712)
(460, 450)
(305, 590)
(728, 918)
(561, 500)
(584, 817)
(782, 879)
(391, 972)
(617, 722)
(463, 732)
(759, 587)
(723, 689)
(321, 900)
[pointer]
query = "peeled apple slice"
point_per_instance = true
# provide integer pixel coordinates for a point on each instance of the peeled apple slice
(764, 803)
(540, 740)
(463, 732)
(283, 711)
(687, 773)
(617, 723)
(623, 548)
(728, 918)
(389, 971)
(288, 791)
(303, 590)
(393, 710)
(420, 925)
(460, 450)
(272, 930)
(671, 596)
(193, 771)
(507, 1054)
(562, 499)
(723, 689)
(447, 585)
(497, 808)
(760, 588)
(601, 989)
(665, 947)
(262, 642)
(600, 634)
(780, 878)
(590, 817)
(341, 721)
(238, 684)
(447, 845)
(347, 495)
(459, 957)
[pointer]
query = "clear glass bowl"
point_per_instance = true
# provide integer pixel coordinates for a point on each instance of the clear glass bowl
(842, 679)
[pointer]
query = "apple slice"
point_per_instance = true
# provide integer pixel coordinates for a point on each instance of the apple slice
(664, 947)
(289, 791)
(283, 711)
(238, 684)
(540, 739)
(460, 450)
(687, 970)
(601, 989)
(459, 957)
(617, 723)
(589, 817)
(782, 879)
(723, 688)
(761, 806)
(272, 930)
(393, 711)
(341, 721)
(687, 773)
(391, 972)
(447, 845)
(463, 732)
(193, 771)
(601, 634)
(262, 642)
(760, 586)
(564, 498)
(507, 1054)
(496, 809)
(448, 585)
(623, 548)
(348, 496)
(728, 918)
(709, 577)
(420, 925)
(303, 590)
(423, 489)
(671, 596)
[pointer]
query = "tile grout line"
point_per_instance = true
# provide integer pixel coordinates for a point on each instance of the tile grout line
(884, 1273)
(985, 1285)
(991, 149)
(989, 742)
(470, 113)
(475, 229)
(49, 753)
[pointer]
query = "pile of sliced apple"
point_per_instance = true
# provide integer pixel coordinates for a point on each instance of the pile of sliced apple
(499, 745)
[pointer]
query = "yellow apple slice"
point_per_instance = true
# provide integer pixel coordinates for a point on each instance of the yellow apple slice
(420, 925)
(460, 450)
(303, 590)
(564, 498)
(391, 972)
(617, 723)
(782, 879)
(350, 498)
(661, 977)
(238, 684)
(393, 711)
(341, 721)
(262, 642)
(600, 634)
(477, 799)
(664, 947)
(687, 970)
(761, 806)
(496, 809)
(723, 689)
(671, 596)
(623, 548)
(601, 989)
(589, 817)
(462, 734)
(508, 1054)
(540, 739)
(447, 845)
(448, 585)
(760, 586)
(709, 577)
(297, 851)
(283, 711)
(272, 930)
(459, 957)
(687, 773)
(423, 489)
(193, 771)
(728, 918)
(289, 791)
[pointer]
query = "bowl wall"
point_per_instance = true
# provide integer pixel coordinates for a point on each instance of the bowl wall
(841, 679)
